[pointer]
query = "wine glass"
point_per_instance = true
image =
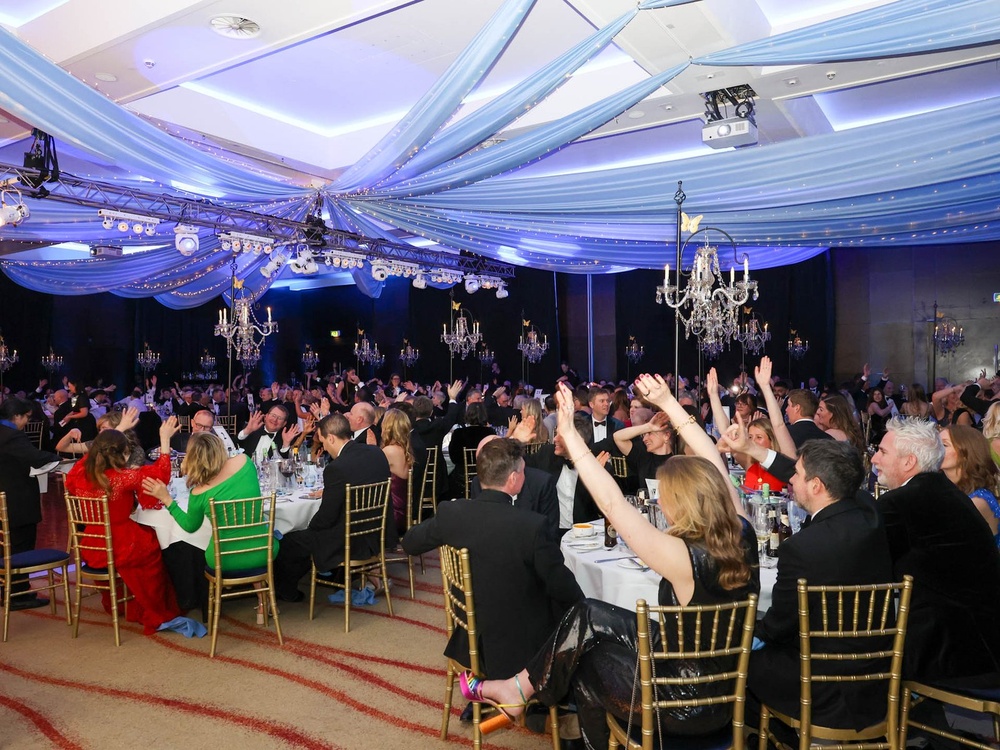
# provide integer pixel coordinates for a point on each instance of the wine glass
(287, 468)
(762, 528)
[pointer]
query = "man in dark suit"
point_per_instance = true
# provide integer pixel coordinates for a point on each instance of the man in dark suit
(521, 584)
(603, 425)
(538, 494)
(323, 541)
(843, 543)
(429, 432)
(268, 433)
(362, 420)
(18, 455)
(937, 536)
(800, 410)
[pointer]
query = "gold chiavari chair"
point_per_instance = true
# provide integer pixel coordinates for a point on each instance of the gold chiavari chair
(722, 633)
(469, 457)
(530, 448)
(34, 430)
(982, 701)
(428, 486)
(398, 555)
(228, 422)
(184, 422)
(874, 617)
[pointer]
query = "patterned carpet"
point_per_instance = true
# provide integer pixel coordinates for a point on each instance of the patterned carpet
(381, 685)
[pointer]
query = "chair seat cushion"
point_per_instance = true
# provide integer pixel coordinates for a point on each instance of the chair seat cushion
(244, 573)
(718, 740)
(93, 571)
(34, 557)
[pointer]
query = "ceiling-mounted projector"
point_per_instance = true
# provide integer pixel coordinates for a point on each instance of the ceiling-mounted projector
(729, 132)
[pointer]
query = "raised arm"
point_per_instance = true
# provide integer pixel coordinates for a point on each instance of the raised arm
(719, 416)
(781, 434)
(623, 438)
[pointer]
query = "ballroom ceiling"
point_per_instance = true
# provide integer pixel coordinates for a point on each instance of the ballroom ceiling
(304, 92)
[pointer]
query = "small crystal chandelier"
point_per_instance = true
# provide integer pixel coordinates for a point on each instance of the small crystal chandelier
(147, 359)
(532, 344)
(797, 348)
(52, 361)
(464, 333)
(712, 304)
(634, 352)
(244, 334)
(408, 355)
(207, 362)
(485, 356)
(8, 358)
(366, 353)
(752, 336)
(948, 334)
(310, 359)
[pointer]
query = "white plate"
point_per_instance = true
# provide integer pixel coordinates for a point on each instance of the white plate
(628, 562)
(585, 544)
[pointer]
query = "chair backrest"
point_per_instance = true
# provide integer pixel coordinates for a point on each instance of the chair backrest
(239, 527)
(428, 486)
(470, 468)
(459, 604)
(185, 423)
(4, 532)
(530, 448)
(89, 511)
(618, 466)
(34, 430)
(365, 513)
(721, 634)
(872, 620)
(228, 421)
(409, 499)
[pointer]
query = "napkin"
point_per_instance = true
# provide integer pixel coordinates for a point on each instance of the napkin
(358, 598)
(185, 626)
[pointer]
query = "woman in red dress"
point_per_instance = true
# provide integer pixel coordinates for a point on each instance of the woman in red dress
(137, 552)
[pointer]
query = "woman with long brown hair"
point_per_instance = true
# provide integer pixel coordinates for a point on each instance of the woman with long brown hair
(138, 559)
(835, 418)
(708, 556)
(969, 465)
(396, 426)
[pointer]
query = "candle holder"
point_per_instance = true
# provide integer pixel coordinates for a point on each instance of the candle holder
(464, 333)
(244, 334)
(52, 361)
(797, 348)
(532, 344)
(310, 359)
(147, 359)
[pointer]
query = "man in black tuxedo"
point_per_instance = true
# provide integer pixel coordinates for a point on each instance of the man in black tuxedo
(521, 584)
(843, 543)
(603, 425)
(429, 432)
(18, 455)
(323, 541)
(270, 428)
(362, 420)
(538, 494)
(800, 410)
(937, 536)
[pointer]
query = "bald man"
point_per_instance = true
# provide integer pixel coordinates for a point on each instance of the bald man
(361, 417)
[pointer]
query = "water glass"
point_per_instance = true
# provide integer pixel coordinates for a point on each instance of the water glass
(308, 475)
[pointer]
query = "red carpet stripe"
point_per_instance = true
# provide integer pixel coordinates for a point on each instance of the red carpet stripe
(43, 725)
(280, 731)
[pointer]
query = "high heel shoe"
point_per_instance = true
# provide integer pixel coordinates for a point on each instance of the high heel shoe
(472, 690)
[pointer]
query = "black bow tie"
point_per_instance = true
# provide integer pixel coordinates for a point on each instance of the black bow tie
(601, 424)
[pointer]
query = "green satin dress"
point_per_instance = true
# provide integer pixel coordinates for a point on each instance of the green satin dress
(242, 484)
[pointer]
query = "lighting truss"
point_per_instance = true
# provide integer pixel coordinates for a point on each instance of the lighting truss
(138, 223)
(241, 242)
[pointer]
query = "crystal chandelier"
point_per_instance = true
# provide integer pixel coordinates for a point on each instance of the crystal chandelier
(948, 335)
(366, 353)
(244, 334)
(634, 352)
(207, 363)
(712, 346)
(147, 359)
(310, 359)
(408, 355)
(532, 344)
(797, 348)
(464, 333)
(752, 336)
(712, 304)
(51, 361)
(8, 358)
(485, 356)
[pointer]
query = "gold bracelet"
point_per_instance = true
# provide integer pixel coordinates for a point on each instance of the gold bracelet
(690, 421)
(578, 457)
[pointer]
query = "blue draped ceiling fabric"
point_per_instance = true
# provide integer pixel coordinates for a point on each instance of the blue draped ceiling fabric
(430, 177)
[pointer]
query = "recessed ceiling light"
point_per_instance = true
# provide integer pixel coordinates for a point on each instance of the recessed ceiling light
(668, 107)
(636, 114)
(792, 81)
(106, 77)
(235, 27)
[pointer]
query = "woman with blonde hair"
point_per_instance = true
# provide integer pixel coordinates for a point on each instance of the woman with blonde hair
(991, 431)
(761, 432)
(532, 407)
(968, 464)
(708, 556)
(396, 426)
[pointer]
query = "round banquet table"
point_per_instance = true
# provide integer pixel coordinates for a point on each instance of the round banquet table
(609, 575)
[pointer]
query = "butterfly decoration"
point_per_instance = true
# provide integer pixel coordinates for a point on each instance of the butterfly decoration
(238, 283)
(526, 323)
(456, 305)
(690, 223)
(361, 331)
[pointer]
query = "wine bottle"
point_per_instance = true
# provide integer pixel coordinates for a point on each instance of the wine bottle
(784, 528)
(610, 535)
(775, 538)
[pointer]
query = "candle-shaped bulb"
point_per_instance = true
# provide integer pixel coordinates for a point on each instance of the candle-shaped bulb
(732, 275)
(746, 269)
(666, 275)
(268, 314)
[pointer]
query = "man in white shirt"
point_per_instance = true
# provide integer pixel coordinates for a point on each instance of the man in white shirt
(604, 425)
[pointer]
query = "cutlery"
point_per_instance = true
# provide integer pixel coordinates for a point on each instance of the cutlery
(614, 559)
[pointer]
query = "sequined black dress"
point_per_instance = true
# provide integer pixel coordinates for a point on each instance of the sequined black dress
(591, 657)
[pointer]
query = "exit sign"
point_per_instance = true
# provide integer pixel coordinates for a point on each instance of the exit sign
(996, 296)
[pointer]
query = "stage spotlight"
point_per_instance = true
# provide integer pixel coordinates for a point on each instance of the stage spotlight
(380, 272)
(108, 223)
(186, 239)
(420, 281)
(472, 284)
(502, 292)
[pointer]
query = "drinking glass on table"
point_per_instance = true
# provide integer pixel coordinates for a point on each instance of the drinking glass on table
(762, 528)
(287, 468)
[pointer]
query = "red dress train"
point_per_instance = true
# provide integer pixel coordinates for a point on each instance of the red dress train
(137, 552)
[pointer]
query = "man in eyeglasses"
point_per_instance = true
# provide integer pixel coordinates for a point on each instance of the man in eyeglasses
(203, 420)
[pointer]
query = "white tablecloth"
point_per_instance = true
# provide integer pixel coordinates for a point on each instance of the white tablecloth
(601, 577)
(293, 513)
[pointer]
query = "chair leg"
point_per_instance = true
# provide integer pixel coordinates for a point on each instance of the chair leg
(215, 607)
(347, 597)
(385, 585)
(76, 605)
(904, 714)
(274, 611)
(449, 688)
(52, 589)
(554, 721)
(6, 609)
(477, 732)
(113, 593)
(66, 600)
(765, 720)
(312, 592)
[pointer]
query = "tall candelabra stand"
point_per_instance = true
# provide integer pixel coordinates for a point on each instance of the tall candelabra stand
(948, 334)
(207, 362)
(707, 306)
(797, 348)
(8, 358)
(244, 334)
(532, 345)
(753, 336)
(310, 359)
(367, 353)
(463, 336)
(51, 361)
(485, 356)
(408, 356)
(634, 353)
(250, 358)
(147, 359)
